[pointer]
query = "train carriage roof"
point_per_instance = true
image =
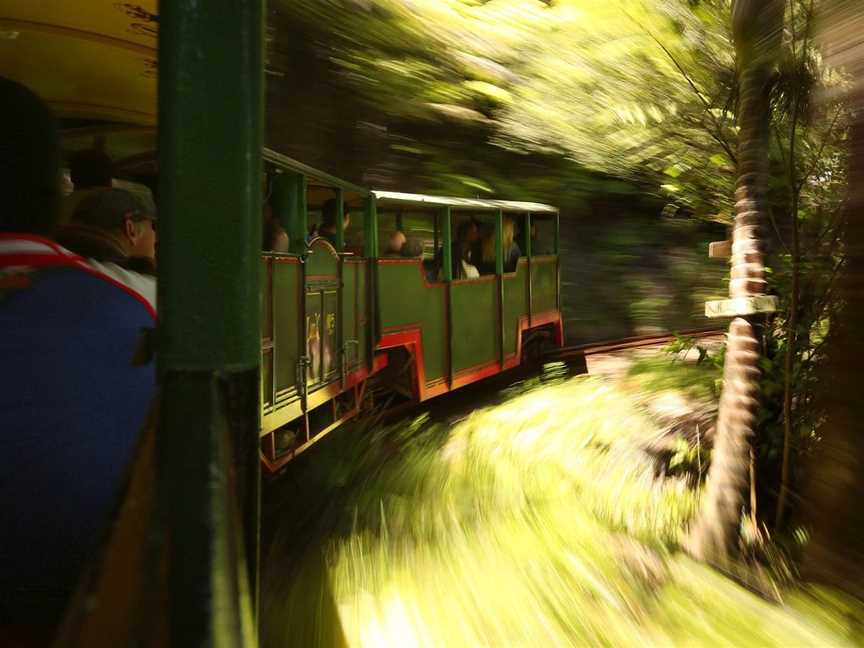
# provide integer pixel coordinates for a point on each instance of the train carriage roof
(313, 175)
(387, 198)
(90, 60)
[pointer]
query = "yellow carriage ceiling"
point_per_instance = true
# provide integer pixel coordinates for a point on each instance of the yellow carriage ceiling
(89, 59)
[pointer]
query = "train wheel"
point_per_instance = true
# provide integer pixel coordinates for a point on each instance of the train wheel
(538, 342)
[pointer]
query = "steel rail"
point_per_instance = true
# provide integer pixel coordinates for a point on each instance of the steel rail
(608, 346)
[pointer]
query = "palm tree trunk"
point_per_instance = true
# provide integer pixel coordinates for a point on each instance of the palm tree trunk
(756, 26)
(835, 553)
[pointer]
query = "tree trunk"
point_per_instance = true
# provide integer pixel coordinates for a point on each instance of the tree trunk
(756, 26)
(835, 553)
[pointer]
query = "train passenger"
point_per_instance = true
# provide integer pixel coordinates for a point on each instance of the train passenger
(413, 249)
(465, 244)
(115, 230)
(89, 170)
(395, 242)
(509, 248)
(327, 229)
(462, 253)
(71, 401)
(274, 238)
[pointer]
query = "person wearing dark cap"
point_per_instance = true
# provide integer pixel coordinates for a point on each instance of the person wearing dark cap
(115, 230)
(413, 249)
(127, 217)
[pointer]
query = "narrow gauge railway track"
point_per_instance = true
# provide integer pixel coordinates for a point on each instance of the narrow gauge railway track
(575, 352)
(575, 356)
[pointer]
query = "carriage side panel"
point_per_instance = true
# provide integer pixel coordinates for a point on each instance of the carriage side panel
(515, 306)
(407, 301)
(544, 284)
(354, 313)
(286, 294)
(475, 336)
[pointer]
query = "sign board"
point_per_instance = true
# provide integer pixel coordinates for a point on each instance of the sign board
(720, 249)
(741, 306)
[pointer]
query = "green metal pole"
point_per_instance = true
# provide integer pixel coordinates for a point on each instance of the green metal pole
(558, 261)
(370, 229)
(499, 272)
(211, 115)
(340, 315)
(340, 220)
(289, 203)
(447, 246)
(529, 252)
(557, 248)
(447, 273)
(370, 251)
(499, 250)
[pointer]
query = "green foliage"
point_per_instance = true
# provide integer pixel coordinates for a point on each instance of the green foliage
(537, 521)
(628, 88)
(699, 380)
(560, 101)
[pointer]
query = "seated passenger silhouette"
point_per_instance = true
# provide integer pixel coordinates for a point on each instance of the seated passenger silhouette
(115, 230)
(395, 242)
(462, 254)
(328, 226)
(465, 246)
(413, 249)
(71, 400)
(509, 248)
(274, 238)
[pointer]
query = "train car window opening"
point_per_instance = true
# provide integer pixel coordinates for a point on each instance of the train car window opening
(323, 215)
(407, 234)
(543, 234)
(387, 240)
(419, 227)
(354, 235)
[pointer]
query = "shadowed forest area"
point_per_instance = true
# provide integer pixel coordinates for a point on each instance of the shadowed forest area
(351, 130)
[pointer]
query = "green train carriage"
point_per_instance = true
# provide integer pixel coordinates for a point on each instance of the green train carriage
(332, 319)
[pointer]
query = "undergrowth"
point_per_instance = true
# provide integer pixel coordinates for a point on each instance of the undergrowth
(537, 522)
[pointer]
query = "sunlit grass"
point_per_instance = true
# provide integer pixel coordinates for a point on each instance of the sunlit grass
(539, 522)
(696, 380)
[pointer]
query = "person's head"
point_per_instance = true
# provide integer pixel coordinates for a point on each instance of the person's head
(90, 168)
(329, 212)
(29, 162)
(468, 231)
(508, 231)
(487, 245)
(129, 217)
(462, 251)
(274, 236)
(395, 242)
(412, 249)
